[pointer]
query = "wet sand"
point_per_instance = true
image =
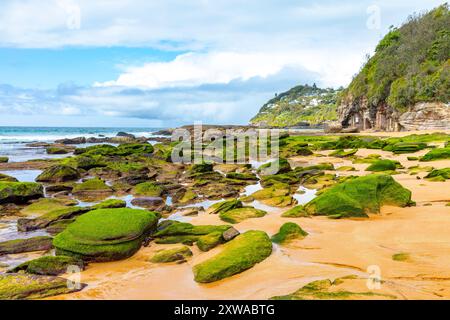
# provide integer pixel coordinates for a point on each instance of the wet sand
(333, 248)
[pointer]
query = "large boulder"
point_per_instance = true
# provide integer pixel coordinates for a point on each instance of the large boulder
(58, 173)
(238, 255)
(20, 192)
(288, 232)
(106, 234)
(25, 286)
(359, 196)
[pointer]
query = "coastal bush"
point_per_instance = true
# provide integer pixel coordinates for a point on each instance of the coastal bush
(106, 234)
(288, 232)
(358, 196)
(238, 255)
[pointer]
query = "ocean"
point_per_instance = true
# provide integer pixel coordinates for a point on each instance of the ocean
(14, 140)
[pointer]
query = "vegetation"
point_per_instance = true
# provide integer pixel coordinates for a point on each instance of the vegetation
(58, 173)
(288, 232)
(148, 189)
(437, 154)
(411, 64)
(240, 214)
(20, 192)
(439, 175)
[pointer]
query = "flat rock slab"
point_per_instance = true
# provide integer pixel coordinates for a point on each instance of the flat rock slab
(26, 245)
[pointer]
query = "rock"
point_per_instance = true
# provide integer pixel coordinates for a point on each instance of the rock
(230, 234)
(120, 236)
(26, 245)
(358, 196)
(210, 241)
(224, 206)
(405, 147)
(48, 265)
(288, 232)
(4, 159)
(332, 127)
(238, 255)
(58, 226)
(58, 173)
(46, 205)
(296, 212)
(149, 189)
(350, 130)
(20, 192)
(152, 203)
(242, 176)
(275, 167)
(110, 204)
(57, 150)
(59, 188)
(79, 140)
(25, 286)
(440, 175)
(343, 154)
(426, 116)
(126, 135)
(92, 189)
(437, 154)
(384, 165)
(6, 178)
(171, 255)
(241, 214)
(43, 221)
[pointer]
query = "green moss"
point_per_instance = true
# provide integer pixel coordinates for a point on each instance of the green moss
(91, 185)
(282, 165)
(46, 219)
(6, 178)
(210, 241)
(25, 286)
(58, 173)
(405, 147)
(384, 165)
(171, 255)
(148, 189)
(242, 176)
(56, 150)
(439, 175)
(134, 149)
(240, 214)
(201, 168)
(346, 168)
(401, 257)
(359, 196)
(412, 158)
(4, 159)
(20, 192)
(49, 265)
(437, 154)
(296, 212)
(224, 206)
(110, 204)
(106, 234)
(180, 228)
(46, 205)
(371, 158)
(288, 232)
(327, 290)
(238, 255)
(343, 154)
(417, 169)
(188, 196)
(40, 243)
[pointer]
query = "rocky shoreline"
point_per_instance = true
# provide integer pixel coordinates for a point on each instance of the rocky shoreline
(145, 204)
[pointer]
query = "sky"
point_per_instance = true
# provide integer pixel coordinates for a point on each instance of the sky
(166, 63)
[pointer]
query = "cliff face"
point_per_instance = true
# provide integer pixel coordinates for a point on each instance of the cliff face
(406, 84)
(300, 106)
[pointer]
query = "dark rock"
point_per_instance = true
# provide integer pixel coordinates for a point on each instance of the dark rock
(79, 140)
(126, 135)
(152, 203)
(230, 234)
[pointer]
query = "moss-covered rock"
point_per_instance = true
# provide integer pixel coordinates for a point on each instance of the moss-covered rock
(240, 214)
(238, 255)
(288, 232)
(278, 166)
(210, 241)
(110, 204)
(58, 226)
(384, 165)
(437, 154)
(320, 181)
(405, 147)
(224, 206)
(401, 257)
(48, 265)
(4, 159)
(56, 150)
(418, 169)
(295, 212)
(105, 234)
(171, 255)
(342, 153)
(20, 192)
(242, 176)
(46, 205)
(41, 243)
(359, 196)
(148, 189)
(371, 158)
(95, 184)
(6, 178)
(26, 286)
(346, 168)
(59, 173)
(439, 175)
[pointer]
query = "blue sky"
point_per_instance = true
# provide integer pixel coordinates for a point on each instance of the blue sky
(166, 63)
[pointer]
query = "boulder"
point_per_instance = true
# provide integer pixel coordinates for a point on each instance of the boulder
(26, 245)
(20, 192)
(120, 236)
(288, 232)
(238, 255)
(240, 214)
(6, 178)
(4, 159)
(78, 140)
(149, 189)
(48, 265)
(58, 173)
(171, 255)
(437, 154)
(152, 203)
(20, 286)
(230, 234)
(224, 206)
